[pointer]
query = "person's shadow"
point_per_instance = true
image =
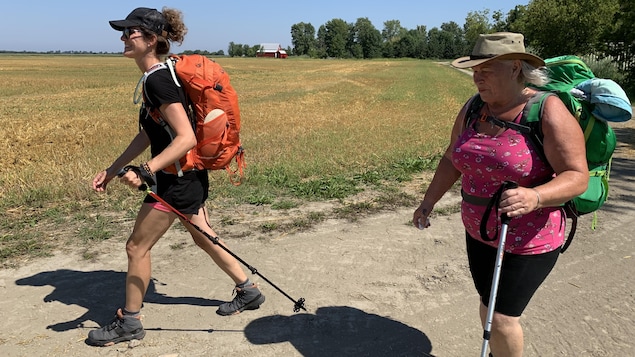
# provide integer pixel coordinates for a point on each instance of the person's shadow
(99, 292)
(331, 331)
(340, 331)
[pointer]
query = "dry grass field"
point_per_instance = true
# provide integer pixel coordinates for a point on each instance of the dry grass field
(311, 130)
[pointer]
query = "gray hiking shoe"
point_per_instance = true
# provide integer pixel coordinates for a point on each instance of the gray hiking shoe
(122, 328)
(247, 298)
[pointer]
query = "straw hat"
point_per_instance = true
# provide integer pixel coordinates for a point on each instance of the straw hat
(499, 45)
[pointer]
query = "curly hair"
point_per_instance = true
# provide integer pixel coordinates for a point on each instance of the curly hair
(176, 30)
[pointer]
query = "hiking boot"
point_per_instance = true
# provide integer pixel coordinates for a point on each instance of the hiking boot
(122, 328)
(247, 298)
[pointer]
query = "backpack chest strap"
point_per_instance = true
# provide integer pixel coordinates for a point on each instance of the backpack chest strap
(523, 129)
(476, 104)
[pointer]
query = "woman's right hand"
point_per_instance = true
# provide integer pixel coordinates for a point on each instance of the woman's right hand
(132, 179)
(420, 217)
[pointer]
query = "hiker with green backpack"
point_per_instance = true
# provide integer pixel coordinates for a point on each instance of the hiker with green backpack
(489, 148)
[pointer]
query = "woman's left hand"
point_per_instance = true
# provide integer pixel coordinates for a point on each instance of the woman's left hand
(131, 179)
(519, 201)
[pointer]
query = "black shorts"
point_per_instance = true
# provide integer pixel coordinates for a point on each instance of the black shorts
(520, 277)
(187, 193)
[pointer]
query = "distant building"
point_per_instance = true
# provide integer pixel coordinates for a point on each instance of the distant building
(273, 50)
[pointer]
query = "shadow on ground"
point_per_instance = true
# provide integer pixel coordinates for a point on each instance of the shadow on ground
(625, 136)
(100, 292)
(340, 331)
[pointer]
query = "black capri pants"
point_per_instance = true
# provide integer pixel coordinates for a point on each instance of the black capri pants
(520, 277)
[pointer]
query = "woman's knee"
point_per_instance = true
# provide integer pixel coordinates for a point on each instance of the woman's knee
(504, 324)
(134, 249)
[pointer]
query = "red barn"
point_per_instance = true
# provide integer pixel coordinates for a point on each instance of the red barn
(273, 50)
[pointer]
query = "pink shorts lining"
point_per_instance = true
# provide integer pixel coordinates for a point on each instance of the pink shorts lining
(159, 206)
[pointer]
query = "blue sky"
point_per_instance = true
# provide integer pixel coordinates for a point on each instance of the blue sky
(82, 25)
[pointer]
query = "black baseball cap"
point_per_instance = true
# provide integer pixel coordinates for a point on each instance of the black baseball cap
(147, 18)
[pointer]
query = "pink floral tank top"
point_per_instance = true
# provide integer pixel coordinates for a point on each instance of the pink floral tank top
(485, 163)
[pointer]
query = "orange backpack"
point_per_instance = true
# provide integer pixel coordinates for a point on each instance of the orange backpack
(217, 124)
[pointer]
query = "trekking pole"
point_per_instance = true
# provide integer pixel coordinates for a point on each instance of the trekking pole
(299, 304)
(487, 332)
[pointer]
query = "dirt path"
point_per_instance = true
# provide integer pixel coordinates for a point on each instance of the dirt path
(374, 288)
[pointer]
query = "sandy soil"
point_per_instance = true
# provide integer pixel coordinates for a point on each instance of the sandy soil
(376, 287)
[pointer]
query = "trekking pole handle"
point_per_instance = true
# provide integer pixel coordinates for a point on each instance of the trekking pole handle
(123, 171)
(506, 186)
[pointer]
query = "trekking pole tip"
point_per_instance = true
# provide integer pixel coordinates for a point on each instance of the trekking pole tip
(299, 305)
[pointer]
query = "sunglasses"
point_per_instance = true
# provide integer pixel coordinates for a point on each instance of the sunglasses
(127, 32)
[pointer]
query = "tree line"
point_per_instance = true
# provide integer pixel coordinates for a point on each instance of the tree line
(550, 27)
(604, 28)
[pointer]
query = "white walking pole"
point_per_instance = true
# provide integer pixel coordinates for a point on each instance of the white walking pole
(487, 332)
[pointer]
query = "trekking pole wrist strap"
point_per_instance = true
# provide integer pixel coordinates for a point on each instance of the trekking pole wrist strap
(493, 206)
(141, 171)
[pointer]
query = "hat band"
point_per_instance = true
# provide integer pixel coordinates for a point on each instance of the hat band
(480, 57)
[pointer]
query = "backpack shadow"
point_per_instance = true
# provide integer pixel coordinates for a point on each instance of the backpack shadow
(340, 331)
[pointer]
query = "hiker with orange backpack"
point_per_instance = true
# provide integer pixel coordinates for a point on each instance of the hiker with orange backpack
(488, 152)
(147, 35)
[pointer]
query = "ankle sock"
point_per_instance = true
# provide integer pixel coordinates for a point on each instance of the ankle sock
(130, 313)
(244, 284)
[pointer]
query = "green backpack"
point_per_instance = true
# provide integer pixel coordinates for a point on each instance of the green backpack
(567, 74)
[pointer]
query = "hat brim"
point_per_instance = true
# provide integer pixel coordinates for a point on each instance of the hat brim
(120, 25)
(467, 62)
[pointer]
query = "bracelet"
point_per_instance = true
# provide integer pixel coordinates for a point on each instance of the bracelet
(146, 167)
(537, 196)
(146, 174)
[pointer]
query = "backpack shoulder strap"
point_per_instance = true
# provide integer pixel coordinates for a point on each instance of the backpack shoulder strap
(532, 112)
(170, 64)
(474, 106)
(145, 76)
(531, 117)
